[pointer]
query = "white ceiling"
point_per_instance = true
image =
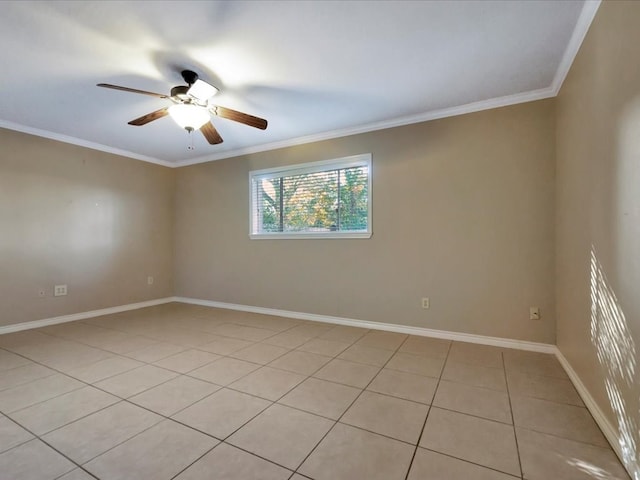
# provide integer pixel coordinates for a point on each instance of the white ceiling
(313, 69)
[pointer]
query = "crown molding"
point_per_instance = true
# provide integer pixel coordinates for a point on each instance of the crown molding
(371, 127)
(344, 132)
(588, 13)
(81, 143)
(589, 10)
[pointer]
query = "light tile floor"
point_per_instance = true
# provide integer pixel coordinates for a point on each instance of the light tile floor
(187, 392)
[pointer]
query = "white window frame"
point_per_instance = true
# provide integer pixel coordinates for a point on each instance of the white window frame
(299, 169)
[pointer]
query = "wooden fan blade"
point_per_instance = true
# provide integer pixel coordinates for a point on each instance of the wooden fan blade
(150, 117)
(132, 90)
(211, 134)
(239, 117)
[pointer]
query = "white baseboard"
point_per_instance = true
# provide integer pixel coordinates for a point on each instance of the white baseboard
(389, 327)
(16, 327)
(609, 431)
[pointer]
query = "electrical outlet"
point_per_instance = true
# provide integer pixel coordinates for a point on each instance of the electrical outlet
(534, 313)
(425, 302)
(149, 280)
(59, 290)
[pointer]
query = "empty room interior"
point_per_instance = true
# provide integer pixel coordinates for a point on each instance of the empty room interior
(377, 240)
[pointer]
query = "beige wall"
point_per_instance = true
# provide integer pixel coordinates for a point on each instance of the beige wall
(463, 213)
(598, 217)
(97, 222)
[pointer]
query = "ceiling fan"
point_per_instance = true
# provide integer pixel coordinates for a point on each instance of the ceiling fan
(192, 108)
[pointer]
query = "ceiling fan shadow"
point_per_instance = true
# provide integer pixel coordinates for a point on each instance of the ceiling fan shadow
(170, 64)
(297, 101)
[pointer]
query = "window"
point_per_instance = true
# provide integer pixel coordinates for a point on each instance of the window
(315, 200)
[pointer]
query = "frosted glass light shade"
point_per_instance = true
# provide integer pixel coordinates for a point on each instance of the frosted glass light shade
(189, 116)
(202, 91)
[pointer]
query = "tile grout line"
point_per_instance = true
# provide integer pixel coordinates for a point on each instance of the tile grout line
(467, 414)
(221, 441)
(556, 402)
(224, 440)
(255, 454)
(484, 467)
(117, 396)
(263, 341)
(197, 460)
(40, 437)
(39, 362)
(424, 424)
(37, 437)
(260, 366)
(210, 434)
(273, 402)
(48, 399)
(85, 416)
(28, 381)
(295, 349)
(513, 422)
(82, 470)
(164, 418)
(2, 415)
(350, 405)
(593, 445)
(102, 348)
(473, 415)
(124, 354)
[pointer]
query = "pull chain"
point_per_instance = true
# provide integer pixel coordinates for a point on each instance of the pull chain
(190, 140)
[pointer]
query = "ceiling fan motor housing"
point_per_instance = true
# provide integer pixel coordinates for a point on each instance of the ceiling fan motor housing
(180, 92)
(189, 76)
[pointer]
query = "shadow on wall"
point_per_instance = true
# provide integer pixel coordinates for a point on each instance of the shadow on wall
(616, 353)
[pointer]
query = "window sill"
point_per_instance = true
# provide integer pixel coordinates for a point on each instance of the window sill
(308, 236)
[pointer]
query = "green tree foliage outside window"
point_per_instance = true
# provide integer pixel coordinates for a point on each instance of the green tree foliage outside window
(326, 201)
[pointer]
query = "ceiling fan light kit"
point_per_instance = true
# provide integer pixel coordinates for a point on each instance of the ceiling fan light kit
(191, 109)
(202, 91)
(189, 116)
